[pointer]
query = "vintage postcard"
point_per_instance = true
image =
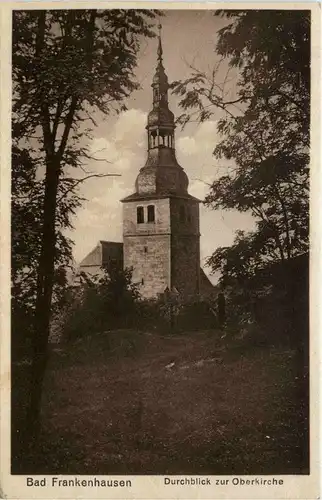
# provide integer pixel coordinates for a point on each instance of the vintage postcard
(160, 265)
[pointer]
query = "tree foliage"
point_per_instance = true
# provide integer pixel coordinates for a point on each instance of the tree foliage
(101, 303)
(27, 193)
(264, 127)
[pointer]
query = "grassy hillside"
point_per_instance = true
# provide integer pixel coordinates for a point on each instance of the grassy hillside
(126, 402)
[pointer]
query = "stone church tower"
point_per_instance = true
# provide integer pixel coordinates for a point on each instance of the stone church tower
(161, 219)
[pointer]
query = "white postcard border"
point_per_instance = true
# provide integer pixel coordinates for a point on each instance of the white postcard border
(153, 487)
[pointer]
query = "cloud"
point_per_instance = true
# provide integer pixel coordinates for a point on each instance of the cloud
(198, 188)
(202, 141)
(130, 127)
(187, 146)
(195, 155)
(110, 196)
(122, 146)
(120, 152)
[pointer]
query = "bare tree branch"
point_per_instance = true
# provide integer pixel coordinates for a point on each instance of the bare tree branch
(79, 181)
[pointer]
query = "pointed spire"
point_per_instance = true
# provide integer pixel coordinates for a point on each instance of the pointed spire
(161, 173)
(160, 80)
(160, 51)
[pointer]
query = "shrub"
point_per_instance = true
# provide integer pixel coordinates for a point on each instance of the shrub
(101, 304)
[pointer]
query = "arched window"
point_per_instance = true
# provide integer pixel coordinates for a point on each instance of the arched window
(140, 215)
(151, 213)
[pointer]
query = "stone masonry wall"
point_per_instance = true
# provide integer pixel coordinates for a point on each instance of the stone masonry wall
(147, 246)
(150, 259)
(185, 265)
(162, 218)
(164, 253)
(185, 246)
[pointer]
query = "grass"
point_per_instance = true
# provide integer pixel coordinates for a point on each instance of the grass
(139, 403)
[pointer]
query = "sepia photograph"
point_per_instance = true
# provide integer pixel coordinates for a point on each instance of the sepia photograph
(160, 243)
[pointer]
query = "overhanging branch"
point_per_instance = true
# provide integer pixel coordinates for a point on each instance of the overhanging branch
(79, 181)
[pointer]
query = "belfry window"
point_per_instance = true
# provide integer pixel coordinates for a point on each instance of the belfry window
(151, 213)
(153, 139)
(140, 215)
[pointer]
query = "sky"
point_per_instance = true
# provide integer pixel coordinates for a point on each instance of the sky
(119, 143)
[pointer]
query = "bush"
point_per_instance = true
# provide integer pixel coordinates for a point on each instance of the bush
(175, 316)
(101, 304)
(197, 315)
(272, 307)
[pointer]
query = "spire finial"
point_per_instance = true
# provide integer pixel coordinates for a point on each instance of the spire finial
(160, 51)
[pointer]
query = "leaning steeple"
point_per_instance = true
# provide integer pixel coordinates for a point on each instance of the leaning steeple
(161, 174)
(160, 51)
(160, 120)
(161, 219)
(160, 82)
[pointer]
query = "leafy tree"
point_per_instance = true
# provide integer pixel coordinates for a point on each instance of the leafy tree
(66, 65)
(118, 291)
(264, 130)
(101, 302)
(27, 199)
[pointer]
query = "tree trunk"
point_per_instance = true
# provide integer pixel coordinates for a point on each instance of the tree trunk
(43, 301)
(46, 268)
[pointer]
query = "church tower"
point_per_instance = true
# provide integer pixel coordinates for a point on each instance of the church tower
(161, 219)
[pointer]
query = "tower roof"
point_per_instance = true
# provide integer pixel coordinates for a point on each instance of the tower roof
(160, 116)
(160, 77)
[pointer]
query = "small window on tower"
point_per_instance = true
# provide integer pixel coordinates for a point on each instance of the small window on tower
(151, 214)
(145, 249)
(140, 215)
